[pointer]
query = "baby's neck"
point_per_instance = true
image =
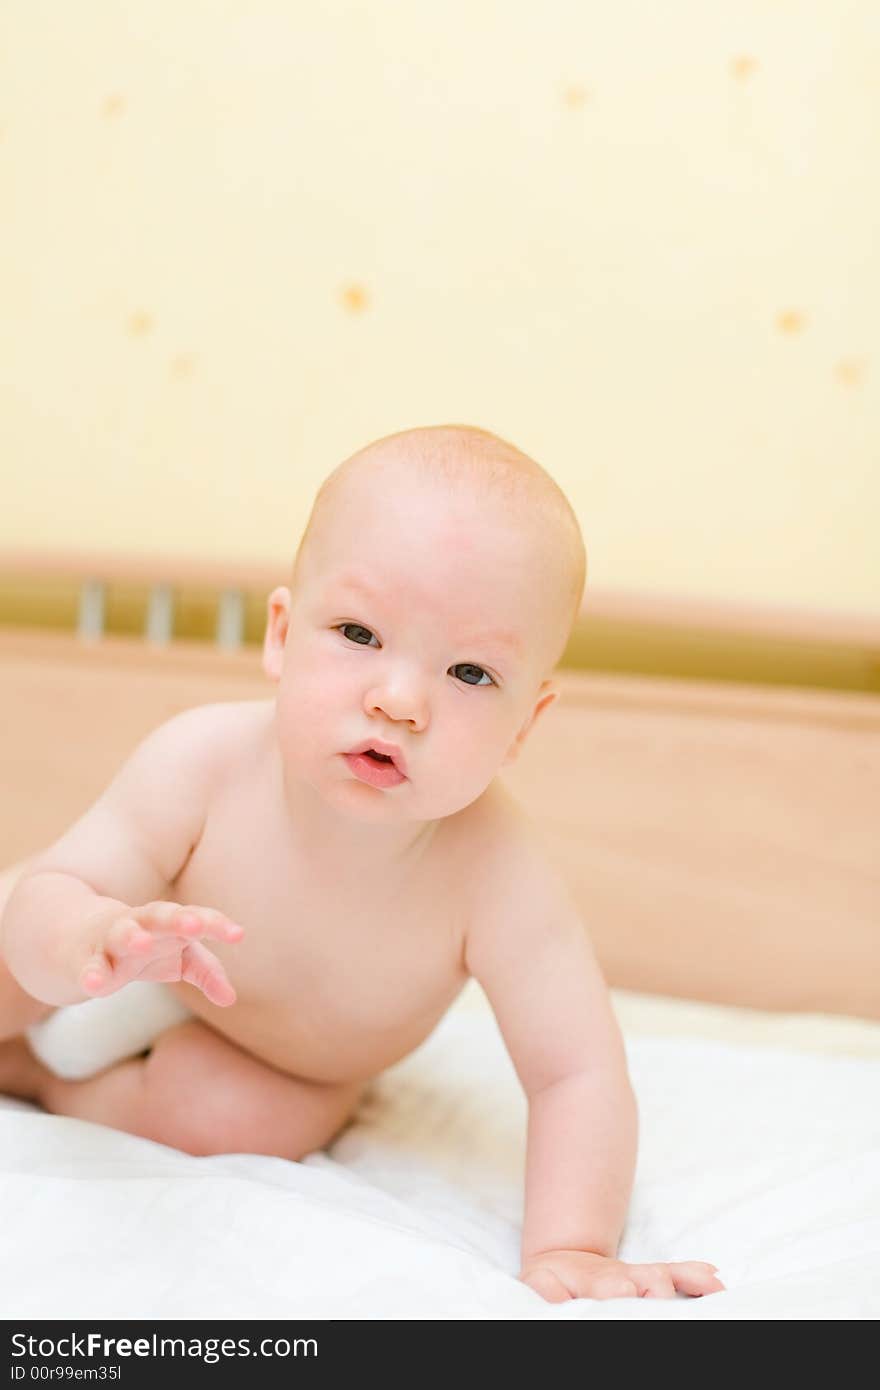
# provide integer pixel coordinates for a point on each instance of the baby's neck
(323, 833)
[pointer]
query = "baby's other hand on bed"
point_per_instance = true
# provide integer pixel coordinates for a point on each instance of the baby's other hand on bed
(558, 1275)
(158, 941)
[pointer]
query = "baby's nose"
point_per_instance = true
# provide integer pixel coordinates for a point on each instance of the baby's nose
(401, 697)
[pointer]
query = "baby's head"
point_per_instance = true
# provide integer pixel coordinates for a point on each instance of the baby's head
(432, 594)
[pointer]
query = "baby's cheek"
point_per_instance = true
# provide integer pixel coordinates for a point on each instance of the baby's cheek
(300, 711)
(305, 687)
(479, 731)
(473, 748)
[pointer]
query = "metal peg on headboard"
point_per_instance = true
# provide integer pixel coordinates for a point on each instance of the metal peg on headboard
(230, 618)
(90, 618)
(160, 614)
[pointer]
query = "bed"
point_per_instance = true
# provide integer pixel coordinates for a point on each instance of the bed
(722, 841)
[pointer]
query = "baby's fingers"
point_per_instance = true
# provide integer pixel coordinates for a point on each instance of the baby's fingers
(123, 940)
(653, 1281)
(96, 975)
(695, 1277)
(201, 968)
(171, 919)
(127, 937)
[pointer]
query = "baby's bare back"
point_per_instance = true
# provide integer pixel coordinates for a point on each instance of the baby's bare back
(336, 977)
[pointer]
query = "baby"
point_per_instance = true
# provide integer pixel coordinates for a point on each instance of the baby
(344, 853)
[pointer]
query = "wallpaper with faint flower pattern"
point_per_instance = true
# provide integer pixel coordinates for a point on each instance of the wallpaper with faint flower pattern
(243, 237)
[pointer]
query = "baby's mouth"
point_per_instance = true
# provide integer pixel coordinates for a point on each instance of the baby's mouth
(393, 761)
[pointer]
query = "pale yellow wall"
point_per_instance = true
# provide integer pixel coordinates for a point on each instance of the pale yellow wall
(240, 238)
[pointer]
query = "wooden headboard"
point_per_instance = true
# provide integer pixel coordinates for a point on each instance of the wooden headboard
(721, 839)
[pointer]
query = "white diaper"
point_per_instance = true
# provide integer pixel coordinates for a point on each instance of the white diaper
(82, 1039)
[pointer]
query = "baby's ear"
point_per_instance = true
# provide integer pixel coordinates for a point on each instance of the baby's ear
(546, 696)
(277, 622)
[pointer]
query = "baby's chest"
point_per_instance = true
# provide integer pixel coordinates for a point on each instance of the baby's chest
(375, 958)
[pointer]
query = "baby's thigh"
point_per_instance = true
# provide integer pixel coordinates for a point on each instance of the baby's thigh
(18, 1009)
(10, 876)
(8, 879)
(209, 1097)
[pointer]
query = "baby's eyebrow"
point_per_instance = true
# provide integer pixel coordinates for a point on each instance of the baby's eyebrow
(358, 585)
(510, 640)
(497, 639)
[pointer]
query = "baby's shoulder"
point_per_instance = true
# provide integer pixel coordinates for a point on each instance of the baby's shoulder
(220, 717)
(521, 901)
(498, 818)
(513, 868)
(493, 837)
(239, 719)
(212, 737)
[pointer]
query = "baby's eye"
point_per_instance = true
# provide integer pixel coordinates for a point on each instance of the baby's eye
(362, 639)
(465, 666)
(358, 629)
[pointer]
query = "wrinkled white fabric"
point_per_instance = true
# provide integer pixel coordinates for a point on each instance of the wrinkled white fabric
(763, 1160)
(78, 1041)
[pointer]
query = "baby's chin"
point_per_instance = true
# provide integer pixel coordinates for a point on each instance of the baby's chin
(401, 805)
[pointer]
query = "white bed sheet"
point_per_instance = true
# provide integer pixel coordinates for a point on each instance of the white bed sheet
(763, 1158)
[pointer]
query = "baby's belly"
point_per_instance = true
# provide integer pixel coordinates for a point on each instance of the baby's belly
(319, 1044)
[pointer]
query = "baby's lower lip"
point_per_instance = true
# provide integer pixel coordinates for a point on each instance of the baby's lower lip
(375, 773)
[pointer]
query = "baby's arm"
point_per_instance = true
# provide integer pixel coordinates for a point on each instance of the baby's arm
(68, 932)
(529, 948)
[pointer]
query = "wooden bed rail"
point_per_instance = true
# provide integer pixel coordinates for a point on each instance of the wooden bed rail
(164, 576)
(617, 631)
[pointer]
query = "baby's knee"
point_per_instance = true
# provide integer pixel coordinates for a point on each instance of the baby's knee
(179, 1098)
(210, 1097)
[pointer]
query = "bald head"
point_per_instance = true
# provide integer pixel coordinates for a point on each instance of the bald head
(488, 472)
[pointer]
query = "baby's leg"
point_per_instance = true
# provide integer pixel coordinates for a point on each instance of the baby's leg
(18, 1010)
(194, 1091)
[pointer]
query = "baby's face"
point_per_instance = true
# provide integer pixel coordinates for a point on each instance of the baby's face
(418, 624)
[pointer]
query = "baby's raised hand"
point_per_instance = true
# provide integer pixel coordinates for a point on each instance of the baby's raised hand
(159, 941)
(558, 1275)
